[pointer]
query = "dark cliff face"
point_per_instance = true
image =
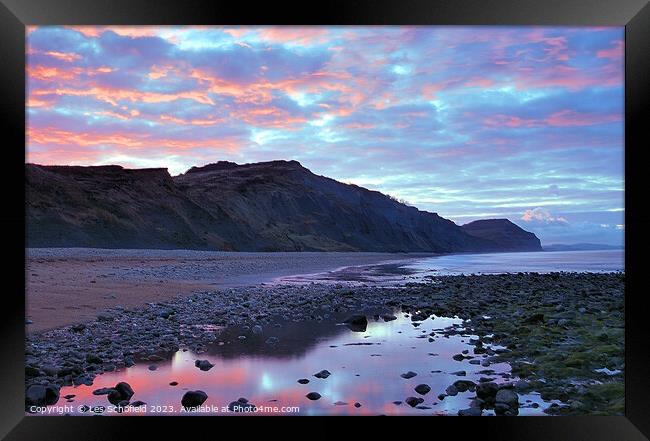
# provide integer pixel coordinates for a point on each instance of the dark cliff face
(509, 236)
(270, 206)
(112, 207)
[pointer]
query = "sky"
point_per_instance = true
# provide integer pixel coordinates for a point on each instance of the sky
(524, 123)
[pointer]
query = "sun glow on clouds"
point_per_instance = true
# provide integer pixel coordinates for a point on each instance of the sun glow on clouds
(467, 122)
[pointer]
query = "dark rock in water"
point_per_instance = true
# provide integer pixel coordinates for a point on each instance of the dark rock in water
(414, 401)
(69, 396)
(464, 385)
(397, 403)
(313, 396)
(303, 381)
(340, 403)
(272, 340)
(458, 357)
(459, 373)
(83, 379)
(125, 390)
(442, 396)
(423, 389)
(204, 365)
(121, 392)
(487, 391)
(409, 374)
(451, 391)
(114, 397)
(78, 328)
(153, 367)
(39, 395)
(357, 323)
(257, 329)
(508, 397)
(138, 403)
(193, 398)
(357, 405)
(241, 405)
(323, 374)
(103, 391)
(128, 362)
(173, 383)
(388, 317)
(505, 410)
(472, 411)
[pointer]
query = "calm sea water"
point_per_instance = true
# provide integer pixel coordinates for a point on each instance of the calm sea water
(399, 272)
(541, 262)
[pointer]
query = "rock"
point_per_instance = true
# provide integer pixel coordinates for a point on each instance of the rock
(388, 317)
(521, 386)
(204, 365)
(257, 329)
(464, 385)
(409, 374)
(138, 403)
(451, 391)
(459, 373)
(95, 359)
(472, 411)
(458, 357)
(31, 371)
(193, 398)
(241, 405)
(323, 374)
(507, 396)
(313, 396)
(166, 313)
(125, 390)
(340, 403)
(357, 405)
(487, 391)
(422, 389)
(534, 318)
(78, 328)
(303, 381)
(414, 401)
(272, 340)
(357, 323)
(69, 396)
(153, 367)
(173, 383)
(39, 395)
(103, 391)
(105, 317)
(442, 396)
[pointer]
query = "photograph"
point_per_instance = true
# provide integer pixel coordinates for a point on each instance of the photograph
(354, 220)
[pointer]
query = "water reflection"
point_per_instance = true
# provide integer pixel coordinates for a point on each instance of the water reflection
(365, 369)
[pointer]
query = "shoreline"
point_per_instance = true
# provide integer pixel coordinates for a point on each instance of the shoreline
(559, 329)
(67, 286)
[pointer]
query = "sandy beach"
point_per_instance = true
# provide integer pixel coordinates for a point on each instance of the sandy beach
(67, 286)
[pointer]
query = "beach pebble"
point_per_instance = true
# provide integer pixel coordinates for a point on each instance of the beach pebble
(313, 396)
(193, 398)
(204, 365)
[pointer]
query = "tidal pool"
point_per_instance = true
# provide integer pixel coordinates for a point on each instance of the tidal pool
(365, 369)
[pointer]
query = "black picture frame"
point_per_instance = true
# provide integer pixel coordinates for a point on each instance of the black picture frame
(633, 14)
